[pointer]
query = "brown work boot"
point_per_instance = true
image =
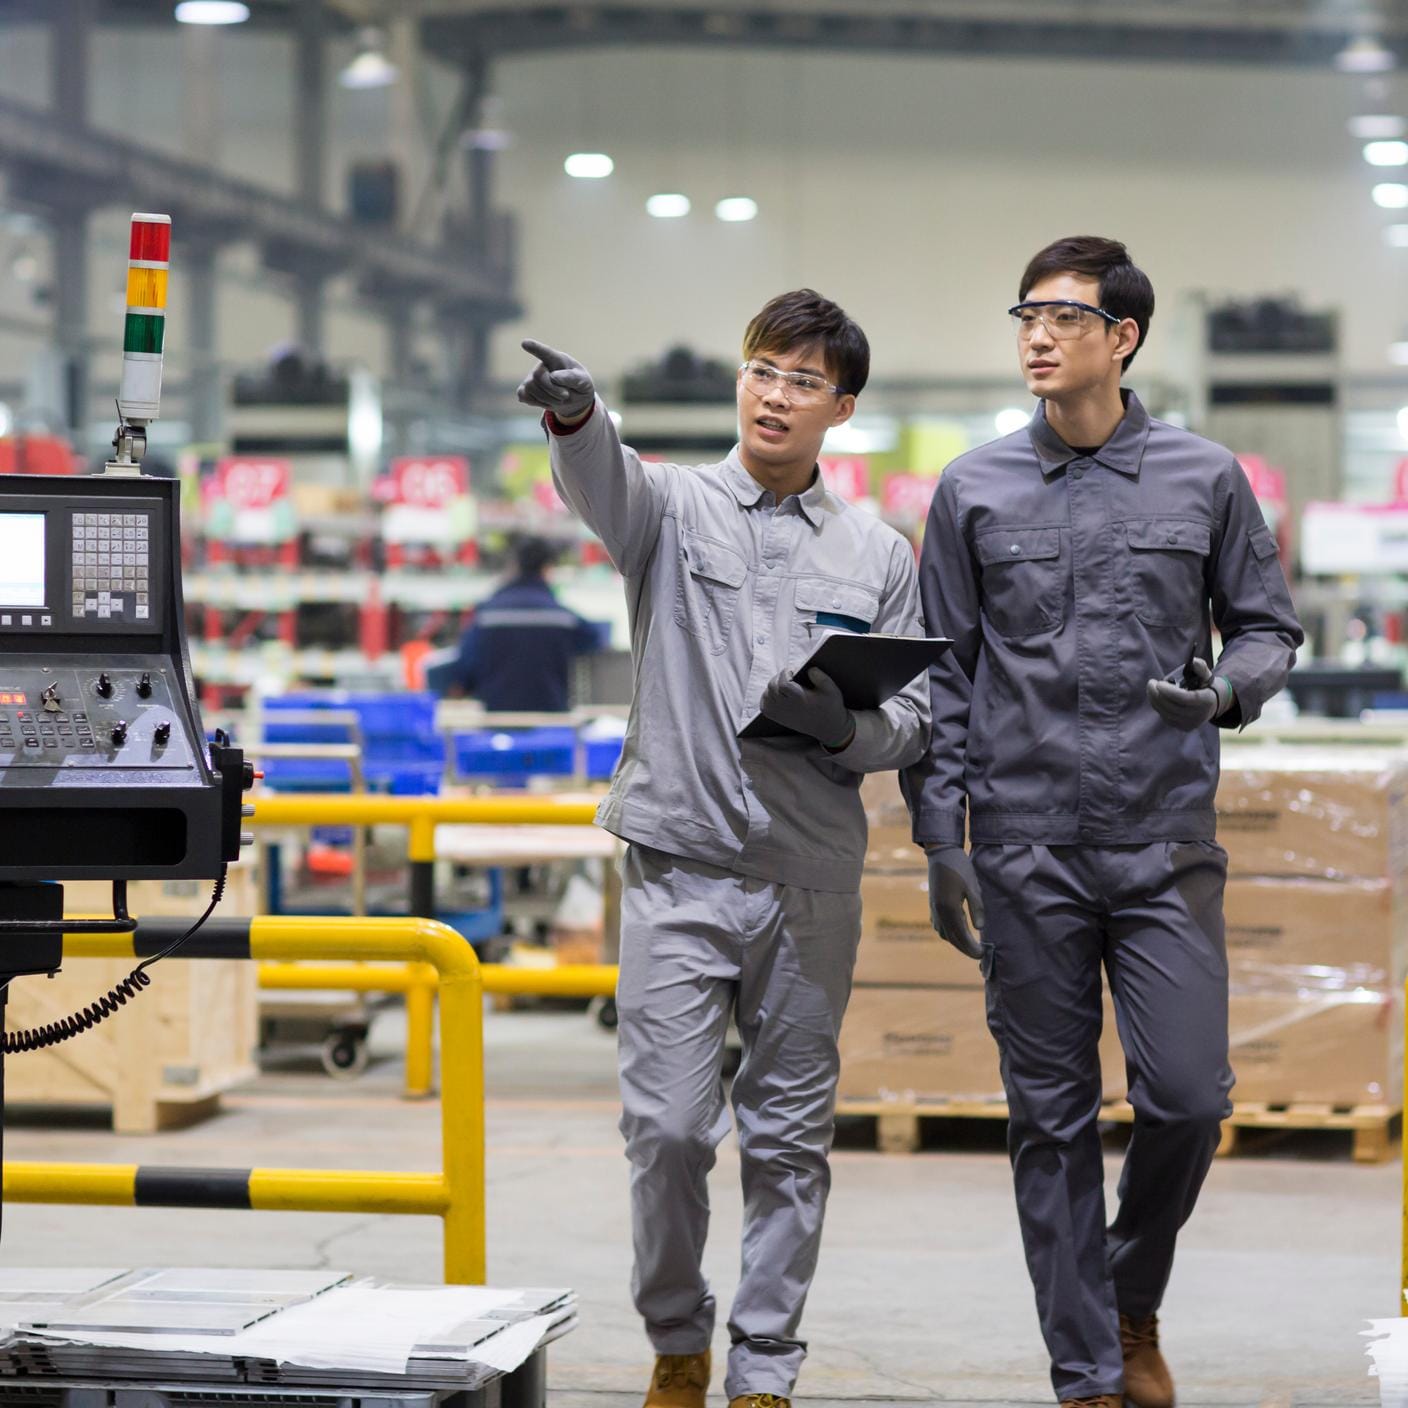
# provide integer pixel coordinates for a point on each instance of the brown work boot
(679, 1381)
(1102, 1400)
(1147, 1381)
(760, 1400)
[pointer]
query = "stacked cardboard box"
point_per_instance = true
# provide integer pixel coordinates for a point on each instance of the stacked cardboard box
(916, 1028)
(1317, 924)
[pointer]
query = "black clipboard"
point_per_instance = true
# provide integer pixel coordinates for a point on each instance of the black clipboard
(868, 669)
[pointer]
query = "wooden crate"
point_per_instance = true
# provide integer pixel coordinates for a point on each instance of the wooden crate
(166, 1055)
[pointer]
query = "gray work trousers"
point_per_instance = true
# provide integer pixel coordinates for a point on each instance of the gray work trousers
(1151, 915)
(697, 944)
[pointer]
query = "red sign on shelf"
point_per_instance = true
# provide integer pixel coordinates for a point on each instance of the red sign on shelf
(848, 479)
(251, 483)
(545, 495)
(908, 496)
(426, 481)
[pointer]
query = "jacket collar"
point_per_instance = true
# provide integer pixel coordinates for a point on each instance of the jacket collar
(1123, 451)
(811, 501)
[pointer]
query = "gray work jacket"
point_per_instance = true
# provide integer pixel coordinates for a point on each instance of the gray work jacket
(1067, 582)
(725, 587)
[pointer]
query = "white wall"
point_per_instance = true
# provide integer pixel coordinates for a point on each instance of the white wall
(913, 191)
(910, 189)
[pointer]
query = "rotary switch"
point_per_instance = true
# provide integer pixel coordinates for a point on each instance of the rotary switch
(119, 733)
(161, 735)
(104, 686)
(144, 686)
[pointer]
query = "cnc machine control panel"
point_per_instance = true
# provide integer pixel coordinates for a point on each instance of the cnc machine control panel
(102, 754)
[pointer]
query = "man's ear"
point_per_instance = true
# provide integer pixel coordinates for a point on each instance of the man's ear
(845, 409)
(1126, 340)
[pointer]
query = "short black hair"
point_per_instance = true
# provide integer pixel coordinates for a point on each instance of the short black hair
(533, 556)
(803, 318)
(1125, 290)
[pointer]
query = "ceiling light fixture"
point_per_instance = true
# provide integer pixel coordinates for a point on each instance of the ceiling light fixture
(589, 166)
(370, 68)
(1010, 419)
(668, 205)
(1386, 153)
(1391, 195)
(1377, 126)
(1396, 236)
(734, 209)
(212, 12)
(1398, 353)
(1365, 54)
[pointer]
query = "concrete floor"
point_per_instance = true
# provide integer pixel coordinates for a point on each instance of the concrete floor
(921, 1296)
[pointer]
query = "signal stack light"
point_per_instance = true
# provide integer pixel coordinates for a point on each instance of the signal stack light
(143, 339)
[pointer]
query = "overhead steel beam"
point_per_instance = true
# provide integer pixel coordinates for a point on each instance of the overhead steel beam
(1236, 38)
(45, 162)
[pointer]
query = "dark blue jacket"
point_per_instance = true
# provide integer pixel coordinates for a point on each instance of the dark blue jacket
(517, 656)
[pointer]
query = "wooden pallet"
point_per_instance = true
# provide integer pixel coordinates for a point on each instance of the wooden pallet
(897, 1124)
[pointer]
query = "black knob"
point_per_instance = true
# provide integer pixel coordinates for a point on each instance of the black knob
(162, 733)
(144, 686)
(119, 733)
(104, 686)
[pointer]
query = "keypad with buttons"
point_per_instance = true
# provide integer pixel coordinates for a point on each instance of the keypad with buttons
(111, 567)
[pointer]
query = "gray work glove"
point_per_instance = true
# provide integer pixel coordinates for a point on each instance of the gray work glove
(1189, 698)
(558, 383)
(814, 708)
(952, 881)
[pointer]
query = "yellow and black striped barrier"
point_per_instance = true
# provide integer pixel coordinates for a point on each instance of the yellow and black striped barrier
(455, 1194)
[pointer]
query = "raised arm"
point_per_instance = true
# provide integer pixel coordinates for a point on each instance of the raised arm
(618, 497)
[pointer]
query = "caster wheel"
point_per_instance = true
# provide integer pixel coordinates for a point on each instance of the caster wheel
(606, 1014)
(345, 1056)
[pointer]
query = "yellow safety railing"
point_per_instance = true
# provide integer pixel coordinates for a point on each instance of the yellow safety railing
(455, 1194)
(418, 983)
(422, 816)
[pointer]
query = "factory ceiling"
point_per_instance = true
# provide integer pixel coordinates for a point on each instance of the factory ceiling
(1267, 32)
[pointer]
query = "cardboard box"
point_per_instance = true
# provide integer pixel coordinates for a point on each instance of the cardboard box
(898, 945)
(932, 1045)
(1314, 812)
(1288, 930)
(1334, 1048)
(890, 846)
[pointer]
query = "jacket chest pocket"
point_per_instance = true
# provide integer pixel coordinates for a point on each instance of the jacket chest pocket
(1167, 560)
(710, 578)
(1023, 580)
(823, 604)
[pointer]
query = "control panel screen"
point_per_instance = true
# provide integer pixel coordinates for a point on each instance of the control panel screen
(21, 559)
(13, 696)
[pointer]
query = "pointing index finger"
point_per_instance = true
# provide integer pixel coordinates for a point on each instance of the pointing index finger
(550, 357)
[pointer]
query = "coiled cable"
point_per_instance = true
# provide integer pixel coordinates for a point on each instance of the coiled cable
(86, 1018)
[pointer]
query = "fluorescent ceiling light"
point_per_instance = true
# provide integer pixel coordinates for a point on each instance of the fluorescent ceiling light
(212, 12)
(371, 68)
(1402, 419)
(1364, 54)
(1391, 195)
(1010, 419)
(668, 205)
(1370, 127)
(1386, 153)
(736, 208)
(589, 166)
(1396, 235)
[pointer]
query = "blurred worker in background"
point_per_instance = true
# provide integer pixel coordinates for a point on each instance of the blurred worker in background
(516, 656)
(1080, 565)
(741, 881)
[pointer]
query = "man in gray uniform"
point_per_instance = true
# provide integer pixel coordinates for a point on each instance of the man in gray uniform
(742, 875)
(1080, 564)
